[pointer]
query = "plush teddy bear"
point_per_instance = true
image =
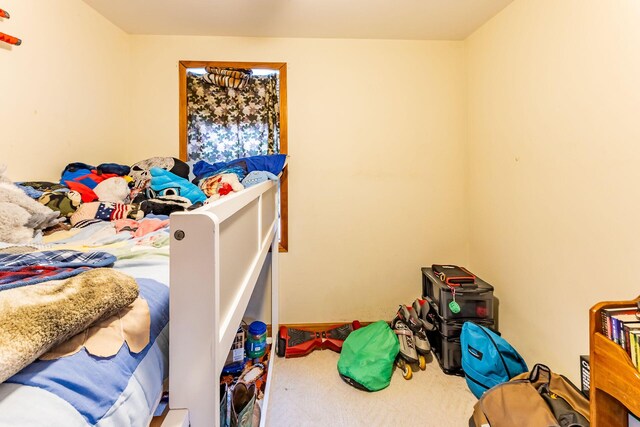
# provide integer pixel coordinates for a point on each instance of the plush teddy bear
(21, 215)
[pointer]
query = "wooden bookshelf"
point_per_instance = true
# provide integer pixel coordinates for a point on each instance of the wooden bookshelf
(615, 382)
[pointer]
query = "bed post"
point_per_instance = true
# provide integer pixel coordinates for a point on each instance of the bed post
(193, 311)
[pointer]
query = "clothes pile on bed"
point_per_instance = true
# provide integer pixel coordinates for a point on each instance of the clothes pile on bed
(122, 194)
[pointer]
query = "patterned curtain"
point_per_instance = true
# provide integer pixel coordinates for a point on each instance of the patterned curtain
(226, 122)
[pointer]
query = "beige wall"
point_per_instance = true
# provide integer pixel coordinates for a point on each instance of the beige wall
(64, 90)
(553, 129)
(537, 125)
(377, 170)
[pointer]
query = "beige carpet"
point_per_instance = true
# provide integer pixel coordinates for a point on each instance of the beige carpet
(308, 391)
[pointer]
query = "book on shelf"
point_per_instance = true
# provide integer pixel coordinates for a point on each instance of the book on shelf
(606, 317)
(627, 327)
(635, 346)
(620, 321)
(585, 375)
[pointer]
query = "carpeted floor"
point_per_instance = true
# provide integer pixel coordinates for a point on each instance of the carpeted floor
(308, 391)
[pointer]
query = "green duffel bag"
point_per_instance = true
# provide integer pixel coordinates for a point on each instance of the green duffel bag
(367, 357)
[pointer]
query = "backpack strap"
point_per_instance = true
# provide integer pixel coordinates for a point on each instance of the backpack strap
(506, 368)
(540, 375)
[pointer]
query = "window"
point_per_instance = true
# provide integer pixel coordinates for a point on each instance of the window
(242, 146)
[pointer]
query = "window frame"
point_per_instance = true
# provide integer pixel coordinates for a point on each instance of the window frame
(183, 66)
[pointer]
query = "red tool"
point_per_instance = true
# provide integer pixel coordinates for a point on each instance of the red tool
(10, 39)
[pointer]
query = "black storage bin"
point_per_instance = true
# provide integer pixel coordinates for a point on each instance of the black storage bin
(475, 300)
(453, 328)
(447, 351)
(445, 342)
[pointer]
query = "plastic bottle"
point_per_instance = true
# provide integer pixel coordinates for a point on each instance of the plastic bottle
(256, 340)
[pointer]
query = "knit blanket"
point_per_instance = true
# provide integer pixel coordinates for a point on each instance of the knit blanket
(35, 318)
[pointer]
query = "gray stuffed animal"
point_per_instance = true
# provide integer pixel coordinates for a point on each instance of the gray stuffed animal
(20, 215)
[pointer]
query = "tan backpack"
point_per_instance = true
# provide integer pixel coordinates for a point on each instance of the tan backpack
(538, 398)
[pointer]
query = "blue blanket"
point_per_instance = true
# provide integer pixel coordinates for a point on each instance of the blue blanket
(92, 384)
(272, 163)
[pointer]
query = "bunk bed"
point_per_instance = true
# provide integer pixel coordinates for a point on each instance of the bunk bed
(217, 253)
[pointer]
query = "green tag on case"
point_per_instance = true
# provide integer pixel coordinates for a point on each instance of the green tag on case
(454, 307)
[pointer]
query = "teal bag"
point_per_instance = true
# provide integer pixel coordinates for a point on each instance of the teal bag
(487, 358)
(367, 357)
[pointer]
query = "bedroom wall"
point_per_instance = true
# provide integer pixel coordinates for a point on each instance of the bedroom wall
(65, 89)
(377, 145)
(553, 148)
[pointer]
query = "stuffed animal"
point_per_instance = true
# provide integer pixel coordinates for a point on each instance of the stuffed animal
(220, 185)
(21, 215)
(65, 202)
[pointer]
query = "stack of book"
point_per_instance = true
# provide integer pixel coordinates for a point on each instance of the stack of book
(622, 326)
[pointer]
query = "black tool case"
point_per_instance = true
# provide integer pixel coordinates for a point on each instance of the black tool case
(476, 304)
(475, 299)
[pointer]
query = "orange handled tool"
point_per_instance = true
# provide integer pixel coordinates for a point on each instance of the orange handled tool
(10, 39)
(4, 14)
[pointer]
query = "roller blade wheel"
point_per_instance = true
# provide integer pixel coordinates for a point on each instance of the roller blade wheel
(407, 372)
(422, 363)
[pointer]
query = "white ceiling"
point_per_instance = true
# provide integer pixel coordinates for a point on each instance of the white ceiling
(370, 19)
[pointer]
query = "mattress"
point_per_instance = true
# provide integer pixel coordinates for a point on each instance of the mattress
(81, 390)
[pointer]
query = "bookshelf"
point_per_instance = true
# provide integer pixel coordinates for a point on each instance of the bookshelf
(615, 382)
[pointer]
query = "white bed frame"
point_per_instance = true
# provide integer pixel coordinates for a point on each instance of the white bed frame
(217, 253)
